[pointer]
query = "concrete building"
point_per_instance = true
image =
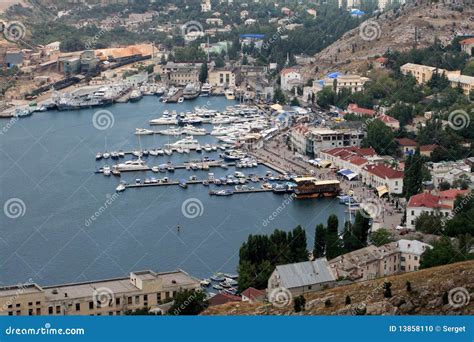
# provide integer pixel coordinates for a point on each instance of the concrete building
(290, 78)
(467, 46)
(111, 297)
(88, 61)
(424, 73)
(206, 6)
(374, 262)
(180, 74)
(325, 138)
(466, 83)
(302, 277)
(223, 77)
(354, 83)
(451, 172)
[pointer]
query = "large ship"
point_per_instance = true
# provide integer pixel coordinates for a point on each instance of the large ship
(190, 92)
(311, 187)
(136, 95)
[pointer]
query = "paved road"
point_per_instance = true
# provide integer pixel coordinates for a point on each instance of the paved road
(383, 212)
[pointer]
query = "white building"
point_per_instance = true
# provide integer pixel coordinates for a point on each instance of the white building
(450, 172)
(383, 178)
(290, 78)
(206, 6)
(441, 204)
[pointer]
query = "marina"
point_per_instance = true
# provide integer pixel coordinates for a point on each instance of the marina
(133, 227)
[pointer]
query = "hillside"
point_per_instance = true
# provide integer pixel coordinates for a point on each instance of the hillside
(425, 298)
(396, 31)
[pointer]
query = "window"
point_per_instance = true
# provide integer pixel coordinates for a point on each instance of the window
(137, 299)
(158, 297)
(50, 310)
(17, 305)
(30, 312)
(30, 303)
(111, 313)
(58, 309)
(10, 306)
(38, 303)
(10, 313)
(117, 301)
(309, 287)
(415, 257)
(38, 311)
(78, 306)
(18, 312)
(91, 305)
(129, 300)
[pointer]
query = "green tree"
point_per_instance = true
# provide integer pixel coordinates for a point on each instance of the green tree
(319, 249)
(381, 138)
(189, 302)
(381, 237)
(333, 242)
(413, 176)
(442, 253)
(279, 97)
(429, 223)
(203, 73)
(326, 97)
(299, 303)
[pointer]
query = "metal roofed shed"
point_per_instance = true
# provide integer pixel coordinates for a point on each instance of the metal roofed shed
(302, 277)
(349, 174)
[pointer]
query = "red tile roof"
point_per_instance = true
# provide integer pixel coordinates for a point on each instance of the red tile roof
(426, 200)
(288, 70)
(467, 41)
(387, 119)
(405, 142)
(451, 194)
(352, 107)
(222, 298)
(383, 171)
(362, 152)
(253, 293)
(428, 148)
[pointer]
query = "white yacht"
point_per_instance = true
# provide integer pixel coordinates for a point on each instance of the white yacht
(206, 89)
(229, 94)
(164, 121)
(133, 165)
(172, 131)
(187, 143)
(143, 131)
(121, 187)
(106, 170)
(191, 130)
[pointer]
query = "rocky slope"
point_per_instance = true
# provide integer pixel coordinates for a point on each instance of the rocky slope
(425, 298)
(396, 30)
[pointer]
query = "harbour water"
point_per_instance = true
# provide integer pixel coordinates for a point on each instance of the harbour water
(48, 163)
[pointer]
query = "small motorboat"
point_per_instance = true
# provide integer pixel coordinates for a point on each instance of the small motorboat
(155, 169)
(121, 187)
(205, 282)
(106, 170)
(183, 184)
(98, 156)
(106, 155)
(218, 277)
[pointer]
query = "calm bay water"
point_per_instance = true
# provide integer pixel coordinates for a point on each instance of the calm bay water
(47, 161)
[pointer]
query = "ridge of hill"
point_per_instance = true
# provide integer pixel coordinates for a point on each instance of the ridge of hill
(425, 298)
(396, 30)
